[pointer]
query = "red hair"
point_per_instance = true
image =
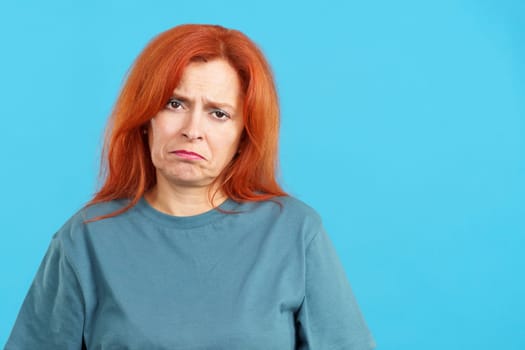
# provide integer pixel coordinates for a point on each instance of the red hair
(127, 170)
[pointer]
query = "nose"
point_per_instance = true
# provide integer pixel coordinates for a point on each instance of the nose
(192, 128)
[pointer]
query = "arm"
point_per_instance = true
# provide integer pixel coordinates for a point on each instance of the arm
(52, 314)
(329, 317)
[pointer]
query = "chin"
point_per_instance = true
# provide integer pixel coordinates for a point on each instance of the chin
(185, 177)
(189, 181)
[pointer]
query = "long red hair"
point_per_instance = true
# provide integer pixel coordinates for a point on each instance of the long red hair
(127, 170)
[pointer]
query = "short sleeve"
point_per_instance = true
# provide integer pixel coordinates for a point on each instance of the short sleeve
(52, 314)
(329, 317)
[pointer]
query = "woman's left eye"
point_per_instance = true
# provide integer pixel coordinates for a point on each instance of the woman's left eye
(220, 115)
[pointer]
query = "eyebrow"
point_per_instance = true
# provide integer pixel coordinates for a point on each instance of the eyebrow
(207, 102)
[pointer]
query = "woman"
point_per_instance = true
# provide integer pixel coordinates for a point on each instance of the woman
(191, 243)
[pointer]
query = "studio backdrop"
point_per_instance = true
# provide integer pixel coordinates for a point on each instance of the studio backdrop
(402, 123)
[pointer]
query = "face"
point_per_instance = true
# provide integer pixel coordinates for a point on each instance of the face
(196, 135)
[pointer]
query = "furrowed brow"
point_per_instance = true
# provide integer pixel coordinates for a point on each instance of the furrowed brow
(181, 98)
(219, 104)
(206, 101)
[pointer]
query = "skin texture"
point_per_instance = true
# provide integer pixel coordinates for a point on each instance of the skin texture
(204, 116)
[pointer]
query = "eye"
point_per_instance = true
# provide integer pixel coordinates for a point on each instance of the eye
(174, 104)
(218, 114)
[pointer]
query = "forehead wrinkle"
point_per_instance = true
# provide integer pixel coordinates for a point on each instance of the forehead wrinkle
(197, 83)
(205, 100)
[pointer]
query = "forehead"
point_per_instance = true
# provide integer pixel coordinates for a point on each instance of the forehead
(215, 80)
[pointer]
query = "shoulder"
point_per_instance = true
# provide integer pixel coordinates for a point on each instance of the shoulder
(284, 213)
(294, 206)
(282, 205)
(74, 232)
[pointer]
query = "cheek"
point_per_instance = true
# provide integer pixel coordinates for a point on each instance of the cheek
(228, 145)
(156, 146)
(159, 133)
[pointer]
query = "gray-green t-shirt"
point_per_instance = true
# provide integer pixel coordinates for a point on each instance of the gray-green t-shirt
(261, 275)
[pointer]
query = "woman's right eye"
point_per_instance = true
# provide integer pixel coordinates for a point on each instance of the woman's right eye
(174, 104)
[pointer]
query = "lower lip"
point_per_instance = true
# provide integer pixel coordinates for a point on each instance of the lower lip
(188, 156)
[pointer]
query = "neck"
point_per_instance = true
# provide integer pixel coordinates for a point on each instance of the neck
(182, 201)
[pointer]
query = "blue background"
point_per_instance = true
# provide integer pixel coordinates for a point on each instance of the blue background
(402, 124)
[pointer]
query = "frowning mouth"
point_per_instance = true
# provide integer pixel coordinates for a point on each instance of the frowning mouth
(187, 155)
